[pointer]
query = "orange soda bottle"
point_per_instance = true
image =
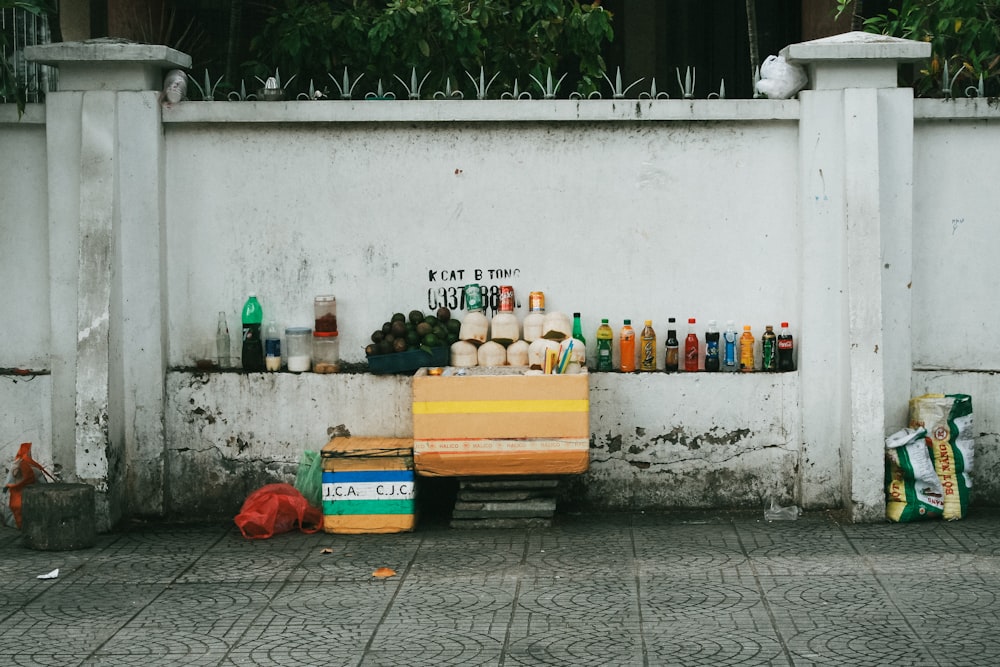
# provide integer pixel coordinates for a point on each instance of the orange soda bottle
(627, 346)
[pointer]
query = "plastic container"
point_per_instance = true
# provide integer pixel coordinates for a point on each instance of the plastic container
(691, 348)
(605, 336)
(672, 348)
(769, 350)
(730, 339)
(647, 347)
(712, 347)
(747, 360)
(326, 352)
(253, 348)
(272, 348)
(298, 341)
(626, 343)
(325, 307)
(786, 349)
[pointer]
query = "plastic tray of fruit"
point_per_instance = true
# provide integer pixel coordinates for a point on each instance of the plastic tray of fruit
(411, 360)
(405, 343)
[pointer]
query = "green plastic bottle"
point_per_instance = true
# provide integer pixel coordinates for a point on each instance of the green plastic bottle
(253, 348)
(605, 336)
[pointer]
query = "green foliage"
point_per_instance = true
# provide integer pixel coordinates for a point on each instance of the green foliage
(10, 87)
(508, 38)
(964, 37)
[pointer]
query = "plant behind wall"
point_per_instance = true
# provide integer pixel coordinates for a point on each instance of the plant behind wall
(445, 40)
(964, 37)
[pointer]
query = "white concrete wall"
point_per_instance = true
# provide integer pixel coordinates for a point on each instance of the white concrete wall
(24, 271)
(626, 218)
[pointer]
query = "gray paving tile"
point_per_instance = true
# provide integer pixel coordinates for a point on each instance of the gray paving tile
(715, 588)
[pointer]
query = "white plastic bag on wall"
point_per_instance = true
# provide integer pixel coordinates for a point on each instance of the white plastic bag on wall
(780, 80)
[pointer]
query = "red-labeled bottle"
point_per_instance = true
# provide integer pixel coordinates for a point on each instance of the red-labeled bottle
(786, 349)
(691, 348)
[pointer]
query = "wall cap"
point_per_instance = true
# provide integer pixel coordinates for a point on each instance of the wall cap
(108, 50)
(857, 46)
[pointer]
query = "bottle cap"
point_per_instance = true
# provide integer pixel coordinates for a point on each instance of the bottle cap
(604, 320)
(628, 321)
(576, 314)
(670, 319)
(690, 320)
(746, 327)
(784, 325)
(649, 323)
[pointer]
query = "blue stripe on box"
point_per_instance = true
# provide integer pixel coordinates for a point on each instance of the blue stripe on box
(367, 476)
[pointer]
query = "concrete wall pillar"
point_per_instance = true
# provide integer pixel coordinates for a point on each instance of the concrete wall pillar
(856, 203)
(104, 154)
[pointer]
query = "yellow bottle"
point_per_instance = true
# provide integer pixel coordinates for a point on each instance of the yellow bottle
(647, 347)
(746, 350)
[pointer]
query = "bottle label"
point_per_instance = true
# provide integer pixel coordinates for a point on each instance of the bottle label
(672, 358)
(785, 344)
(648, 360)
(768, 360)
(272, 347)
(604, 355)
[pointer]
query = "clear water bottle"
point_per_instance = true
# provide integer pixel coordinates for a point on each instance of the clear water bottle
(222, 342)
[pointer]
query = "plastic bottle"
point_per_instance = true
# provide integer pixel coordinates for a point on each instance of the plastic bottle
(691, 347)
(729, 339)
(578, 329)
(604, 342)
(769, 350)
(786, 349)
(712, 347)
(647, 347)
(672, 350)
(626, 345)
(222, 341)
(253, 349)
(746, 350)
(272, 347)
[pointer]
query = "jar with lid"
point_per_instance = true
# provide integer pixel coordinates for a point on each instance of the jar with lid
(298, 341)
(325, 307)
(325, 352)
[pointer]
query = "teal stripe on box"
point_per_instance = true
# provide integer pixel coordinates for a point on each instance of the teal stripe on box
(343, 507)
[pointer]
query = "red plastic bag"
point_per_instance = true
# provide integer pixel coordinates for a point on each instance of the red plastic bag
(275, 509)
(23, 472)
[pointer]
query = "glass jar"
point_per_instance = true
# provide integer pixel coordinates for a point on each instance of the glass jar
(326, 352)
(298, 343)
(325, 307)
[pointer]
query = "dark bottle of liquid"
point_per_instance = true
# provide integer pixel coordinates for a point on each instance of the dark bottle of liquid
(712, 347)
(253, 347)
(769, 350)
(786, 349)
(672, 349)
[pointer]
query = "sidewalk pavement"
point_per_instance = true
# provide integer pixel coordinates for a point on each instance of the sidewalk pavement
(693, 588)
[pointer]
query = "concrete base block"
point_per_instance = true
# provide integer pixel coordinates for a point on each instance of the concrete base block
(58, 517)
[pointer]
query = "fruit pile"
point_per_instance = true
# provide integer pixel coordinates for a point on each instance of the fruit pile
(414, 332)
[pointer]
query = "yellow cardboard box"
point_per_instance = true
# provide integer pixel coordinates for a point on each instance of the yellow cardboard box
(500, 422)
(368, 485)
